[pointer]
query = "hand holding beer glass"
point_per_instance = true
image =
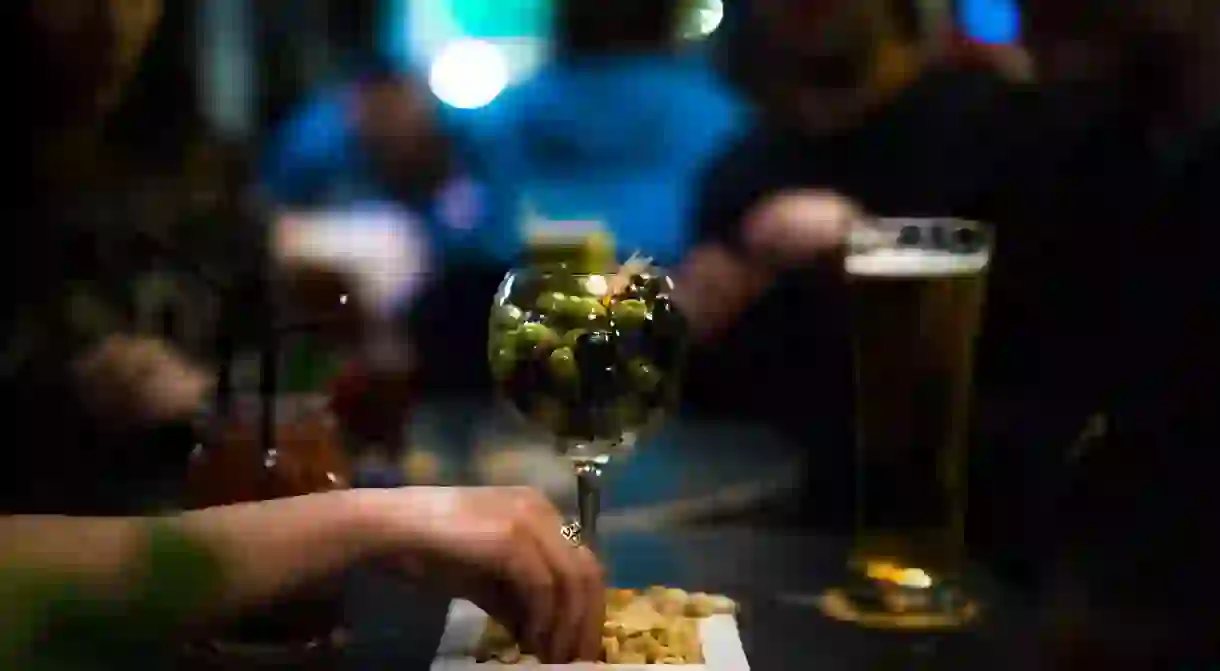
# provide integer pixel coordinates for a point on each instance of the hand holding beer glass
(917, 290)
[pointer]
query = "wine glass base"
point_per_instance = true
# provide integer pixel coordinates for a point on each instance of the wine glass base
(880, 604)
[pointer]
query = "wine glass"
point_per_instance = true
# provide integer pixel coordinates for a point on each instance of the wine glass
(591, 358)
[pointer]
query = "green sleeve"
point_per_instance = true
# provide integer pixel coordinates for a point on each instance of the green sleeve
(59, 624)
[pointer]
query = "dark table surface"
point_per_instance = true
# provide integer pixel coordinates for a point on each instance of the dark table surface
(769, 573)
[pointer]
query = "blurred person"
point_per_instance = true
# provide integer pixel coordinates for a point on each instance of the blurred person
(613, 129)
(89, 298)
(376, 147)
(501, 547)
(375, 139)
(1102, 308)
(1147, 75)
(858, 116)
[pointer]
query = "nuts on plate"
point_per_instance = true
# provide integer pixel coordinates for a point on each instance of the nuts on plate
(657, 626)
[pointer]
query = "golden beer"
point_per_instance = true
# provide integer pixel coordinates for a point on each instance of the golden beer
(917, 294)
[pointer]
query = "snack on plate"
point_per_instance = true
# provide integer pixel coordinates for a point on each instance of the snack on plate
(657, 626)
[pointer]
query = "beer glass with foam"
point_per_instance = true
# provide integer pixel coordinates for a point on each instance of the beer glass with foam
(917, 290)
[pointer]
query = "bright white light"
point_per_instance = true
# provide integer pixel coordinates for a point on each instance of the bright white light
(468, 74)
(597, 285)
(710, 16)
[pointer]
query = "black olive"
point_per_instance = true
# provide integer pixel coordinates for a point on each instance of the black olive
(603, 385)
(579, 422)
(667, 316)
(529, 381)
(596, 350)
(657, 287)
(607, 422)
(597, 360)
(665, 334)
(632, 344)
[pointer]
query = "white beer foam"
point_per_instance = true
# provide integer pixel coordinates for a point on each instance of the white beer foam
(916, 263)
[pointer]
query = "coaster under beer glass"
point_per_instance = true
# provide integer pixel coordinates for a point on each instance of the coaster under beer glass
(917, 289)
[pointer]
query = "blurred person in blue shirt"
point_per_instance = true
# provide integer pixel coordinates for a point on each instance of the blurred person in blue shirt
(376, 139)
(617, 128)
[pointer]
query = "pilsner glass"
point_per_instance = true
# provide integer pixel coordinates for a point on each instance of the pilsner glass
(917, 290)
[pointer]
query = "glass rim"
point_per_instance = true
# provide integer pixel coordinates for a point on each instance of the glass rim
(526, 268)
(880, 233)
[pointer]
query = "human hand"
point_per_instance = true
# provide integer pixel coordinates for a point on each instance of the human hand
(714, 286)
(133, 379)
(501, 548)
(795, 227)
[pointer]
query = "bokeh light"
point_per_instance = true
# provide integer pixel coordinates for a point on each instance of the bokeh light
(468, 74)
(704, 19)
(990, 21)
(710, 16)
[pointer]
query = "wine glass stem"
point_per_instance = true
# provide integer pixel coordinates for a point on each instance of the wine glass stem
(589, 499)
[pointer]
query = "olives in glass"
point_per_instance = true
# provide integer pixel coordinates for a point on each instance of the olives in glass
(590, 358)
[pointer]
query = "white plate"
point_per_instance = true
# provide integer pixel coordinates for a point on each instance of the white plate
(722, 649)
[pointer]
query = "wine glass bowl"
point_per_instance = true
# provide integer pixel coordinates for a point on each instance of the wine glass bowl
(591, 359)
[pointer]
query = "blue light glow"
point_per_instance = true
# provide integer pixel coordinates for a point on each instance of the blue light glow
(990, 21)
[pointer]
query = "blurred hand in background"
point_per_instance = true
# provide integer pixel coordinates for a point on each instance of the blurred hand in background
(790, 230)
(795, 228)
(144, 381)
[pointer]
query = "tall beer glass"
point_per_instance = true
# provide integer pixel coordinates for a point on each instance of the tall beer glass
(917, 292)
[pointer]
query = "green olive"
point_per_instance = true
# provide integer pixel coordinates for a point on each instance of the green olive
(533, 334)
(507, 316)
(502, 360)
(645, 376)
(630, 313)
(572, 337)
(552, 302)
(582, 309)
(502, 339)
(563, 366)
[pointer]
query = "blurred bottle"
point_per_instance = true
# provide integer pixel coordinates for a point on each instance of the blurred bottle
(373, 403)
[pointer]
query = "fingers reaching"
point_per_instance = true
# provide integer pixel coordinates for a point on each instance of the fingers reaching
(502, 548)
(578, 585)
